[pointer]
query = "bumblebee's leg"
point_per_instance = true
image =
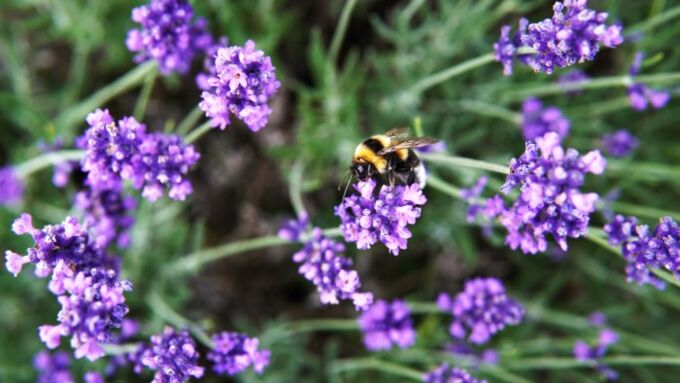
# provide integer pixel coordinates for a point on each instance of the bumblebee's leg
(411, 176)
(390, 170)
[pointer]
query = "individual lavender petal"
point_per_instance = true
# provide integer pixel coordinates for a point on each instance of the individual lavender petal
(92, 305)
(168, 35)
(53, 368)
(447, 374)
(107, 214)
(384, 216)
(573, 35)
(292, 229)
(321, 262)
(243, 81)
(11, 186)
(172, 354)
(387, 324)
(640, 95)
(235, 352)
(537, 121)
(481, 310)
(620, 143)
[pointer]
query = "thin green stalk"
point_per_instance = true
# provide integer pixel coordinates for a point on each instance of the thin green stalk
(490, 110)
(340, 30)
(644, 169)
(451, 72)
(144, 95)
(194, 261)
(294, 188)
(654, 21)
(197, 133)
(642, 211)
(171, 316)
(313, 325)
(359, 364)
(120, 349)
(552, 363)
(523, 91)
(43, 161)
(463, 162)
(189, 121)
(423, 307)
(442, 186)
(71, 117)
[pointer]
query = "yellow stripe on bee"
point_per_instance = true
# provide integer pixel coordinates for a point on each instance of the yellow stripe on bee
(402, 154)
(362, 153)
(383, 139)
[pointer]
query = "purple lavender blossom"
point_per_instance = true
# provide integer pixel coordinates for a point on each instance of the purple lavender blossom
(573, 35)
(369, 217)
(620, 229)
(292, 229)
(168, 35)
(640, 95)
(11, 186)
(243, 81)
(235, 352)
(386, 324)
(92, 305)
(447, 374)
(174, 357)
(506, 48)
(471, 196)
(481, 310)
(583, 352)
(572, 78)
(621, 143)
(437, 147)
(321, 262)
(597, 319)
(53, 368)
(537, 121)
(93, 377)
(209, 64)
(660, 250)
(477, 357)
(123, 150)
(550, 200)
(107, 215)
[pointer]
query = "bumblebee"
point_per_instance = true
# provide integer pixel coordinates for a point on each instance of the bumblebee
(391, 156)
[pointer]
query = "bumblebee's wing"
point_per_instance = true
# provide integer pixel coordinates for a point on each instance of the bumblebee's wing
(408, 143)
(397, 132)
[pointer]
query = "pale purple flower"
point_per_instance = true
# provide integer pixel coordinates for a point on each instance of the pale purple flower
(537, 120)
(583, 352)
(168, 35)
(472, 197)
(107, 215)
(447, 374)
(321, 262)
(387, 324)
(53, 368)
(11, 186)
(173, 355)
(481, 310)
(640, 95)
(620, 229)
(93, 377)
(293, 229)
(620, 143)
(242, 81)
(235, 352)
(505, 50)
(380, 215)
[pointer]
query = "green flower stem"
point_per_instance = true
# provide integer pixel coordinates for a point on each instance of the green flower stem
(654, 21)
(145, 94)
(197, 133)
(600, 108)
(642, 211)
(313, 325)
(340, 30)
(643, 169)
(451, 72)
(527, 90)
(73, 116)
(490, 110)
(360, 364)
(553, 363)
(463, 162)
(294, 188)
(120, 349)
(171, 316)
(194, 261)
(444, 187)
(189, 121)
(43, 161)
(423, 307)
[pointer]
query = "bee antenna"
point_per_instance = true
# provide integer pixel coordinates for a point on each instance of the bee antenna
(343, 179)
(349, 181)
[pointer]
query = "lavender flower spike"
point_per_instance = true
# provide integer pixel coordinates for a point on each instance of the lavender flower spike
(385, 324)
(369, 217)
(243, 81)
(620, 143)
(640, 95)
(53, 368)
(583, 352)
(235, 352)
(11, 186)
(573, 35)
(537, 121)
(447, 374)
(506, 48)
(481, 310)
(168, 35)
(174, 357)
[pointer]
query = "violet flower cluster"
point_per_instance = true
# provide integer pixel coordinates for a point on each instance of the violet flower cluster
(537, 120)
(644, 251)
(387, 324)
(168, 35)
(481, 310)
(380, 215)
(240, 83)
(107, 215)
(53, 368)
(574, 34)
(444, 373)
(472, 197)
(550, 200)
(11, 186)
(583, 352)
(620, 143)
(172, 354)
(322, 263)
(235, 352)
(153, 162)
(640, 95)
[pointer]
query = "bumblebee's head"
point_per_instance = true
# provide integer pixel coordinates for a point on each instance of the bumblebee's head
(362, 171)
